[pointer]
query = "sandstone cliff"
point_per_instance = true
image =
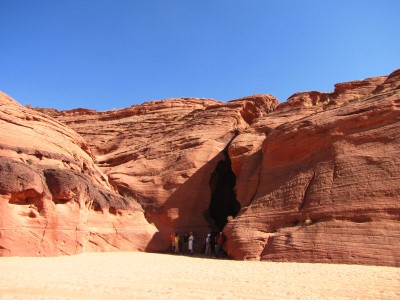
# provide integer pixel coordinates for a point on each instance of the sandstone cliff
(171, 157)
(53, 198)
(319, 178)
(313, 179)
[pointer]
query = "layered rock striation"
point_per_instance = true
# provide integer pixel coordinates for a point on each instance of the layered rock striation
(314, 179)
(53, 198)
(171, 157)
(319, 180)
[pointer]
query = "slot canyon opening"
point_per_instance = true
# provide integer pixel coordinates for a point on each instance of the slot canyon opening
(223, 202)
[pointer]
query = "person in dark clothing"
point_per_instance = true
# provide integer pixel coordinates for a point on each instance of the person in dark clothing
(185, 243)
(220, 243)
(208, 244)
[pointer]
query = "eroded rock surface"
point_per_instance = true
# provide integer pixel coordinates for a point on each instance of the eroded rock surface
(314, 179)
(53, 198)
(321, 182)
(165, 154)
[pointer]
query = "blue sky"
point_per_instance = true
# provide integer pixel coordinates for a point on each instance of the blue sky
(105, 54)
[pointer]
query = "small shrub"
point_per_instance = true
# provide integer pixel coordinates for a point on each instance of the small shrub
(29, 161)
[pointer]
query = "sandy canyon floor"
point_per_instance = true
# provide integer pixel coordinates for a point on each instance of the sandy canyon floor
(130, 275)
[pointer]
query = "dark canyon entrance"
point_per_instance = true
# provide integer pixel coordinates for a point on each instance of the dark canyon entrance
(223, 196)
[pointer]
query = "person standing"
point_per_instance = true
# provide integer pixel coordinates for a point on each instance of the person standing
(208, 244)
(191, 242)
(220, 243)
(176, 243)
(185, 242)
(214, 242)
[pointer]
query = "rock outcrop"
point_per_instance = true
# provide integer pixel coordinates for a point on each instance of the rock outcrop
(314, 179)
(320, 182)
(171, 156)
(53, 198)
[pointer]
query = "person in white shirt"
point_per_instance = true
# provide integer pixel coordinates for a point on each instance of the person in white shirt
(191, 242)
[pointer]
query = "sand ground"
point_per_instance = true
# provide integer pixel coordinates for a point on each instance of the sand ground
(130, 275)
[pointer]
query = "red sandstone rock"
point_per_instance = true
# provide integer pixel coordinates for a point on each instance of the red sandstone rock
(53, 198)
(322, 186)
(344, 93)
(317, 177)
(163, 153)
(391, 83)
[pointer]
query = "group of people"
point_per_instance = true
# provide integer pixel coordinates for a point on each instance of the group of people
(185, 243)
(217, 243)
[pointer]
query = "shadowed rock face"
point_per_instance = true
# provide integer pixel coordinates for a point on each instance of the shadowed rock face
(223, 203)
(314, 179)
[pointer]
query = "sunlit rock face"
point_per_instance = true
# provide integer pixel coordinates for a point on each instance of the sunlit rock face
(319, 180)
(165, 155)
(53, 198)
(313, 179)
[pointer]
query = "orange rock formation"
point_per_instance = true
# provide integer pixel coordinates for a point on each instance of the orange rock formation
(313, 179)
(318, 179)
(53, 198)
(163, 154)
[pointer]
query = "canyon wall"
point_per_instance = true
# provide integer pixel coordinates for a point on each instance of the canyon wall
(53, 198)
(171, 157)
(319, 178)
(314, 179)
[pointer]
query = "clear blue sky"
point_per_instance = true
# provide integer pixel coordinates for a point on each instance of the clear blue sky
(105, 54)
